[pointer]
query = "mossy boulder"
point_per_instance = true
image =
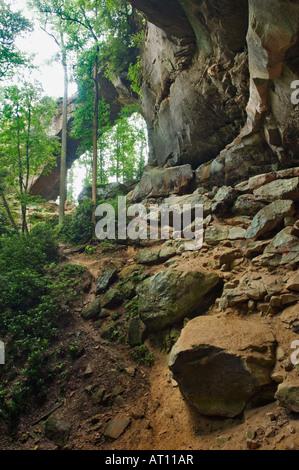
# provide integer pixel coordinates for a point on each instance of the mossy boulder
(136, 332)
(57, 431)
(105, 280)
(169, 296)
(288, 396)
(92, 310)
(113, 298)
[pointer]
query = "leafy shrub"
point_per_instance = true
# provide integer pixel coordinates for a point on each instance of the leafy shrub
(142, 355)
(77, 228)
(34, 294)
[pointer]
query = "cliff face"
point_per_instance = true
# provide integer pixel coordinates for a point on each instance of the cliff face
(217, 85)
(217, 88)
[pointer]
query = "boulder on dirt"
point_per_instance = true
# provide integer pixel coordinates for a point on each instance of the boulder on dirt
(223, 200)
(136, 331)
(113, 298)
(283, 250)
(288, 396)
(223, 365)
(270, 217)
(216, 233)
(293, 282)
(105, 280)
(148, 256)
(247, 204)
(155, 255)
(115, 428)
(92, 310)
(57, 431)
(169, 296)
(236, 233)
(194, 199)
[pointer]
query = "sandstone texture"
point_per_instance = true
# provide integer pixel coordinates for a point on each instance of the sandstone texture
(168, 296)
(220, 371)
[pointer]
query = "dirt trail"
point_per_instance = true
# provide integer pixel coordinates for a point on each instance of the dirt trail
(160, 418)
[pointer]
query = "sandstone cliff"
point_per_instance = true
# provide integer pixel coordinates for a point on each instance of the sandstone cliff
(217, 86)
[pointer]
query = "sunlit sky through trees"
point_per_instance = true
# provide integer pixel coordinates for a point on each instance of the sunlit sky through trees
(49, 73)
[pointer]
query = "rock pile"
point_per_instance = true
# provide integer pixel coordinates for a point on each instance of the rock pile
(241, 291)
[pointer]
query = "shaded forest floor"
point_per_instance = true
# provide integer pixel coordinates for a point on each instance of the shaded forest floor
(144, 396)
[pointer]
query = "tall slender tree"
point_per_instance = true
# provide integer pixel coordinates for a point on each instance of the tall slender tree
(25, 145)
(84, 13)
(52, 24)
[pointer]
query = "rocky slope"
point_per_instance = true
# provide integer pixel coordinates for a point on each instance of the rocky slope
(223, 132)
(219, 326)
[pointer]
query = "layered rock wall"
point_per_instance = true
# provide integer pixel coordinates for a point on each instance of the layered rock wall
(224, 92)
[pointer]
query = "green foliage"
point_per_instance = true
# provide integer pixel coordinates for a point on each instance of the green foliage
(27, 315)
(77, 228)
(4, 226)
(25, 118)
(34, 295)
(141, 355)
(12, 24)
(135, 75)
(132, 308)
(25, 145)
(83, 113)
(124, 146)
(89, 250)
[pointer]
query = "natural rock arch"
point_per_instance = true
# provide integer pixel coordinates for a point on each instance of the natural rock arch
(117, 95)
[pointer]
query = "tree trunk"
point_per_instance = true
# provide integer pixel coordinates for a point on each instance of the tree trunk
(11, 219)
(101, 163)
(63, 169)
(95, 139)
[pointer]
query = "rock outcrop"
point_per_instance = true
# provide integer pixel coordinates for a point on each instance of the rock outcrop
(197, 87)
(218, 79)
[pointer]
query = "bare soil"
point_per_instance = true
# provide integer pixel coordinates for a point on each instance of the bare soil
(160, 418)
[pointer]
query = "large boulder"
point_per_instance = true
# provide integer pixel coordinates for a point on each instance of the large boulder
(288, 395)
(92, 310)
(159, 182)
(248, 205)
(270, 217)
(105, 280)
(282, 250)
(279, 189)
(224, 364)
(57, 431)
(169, 296)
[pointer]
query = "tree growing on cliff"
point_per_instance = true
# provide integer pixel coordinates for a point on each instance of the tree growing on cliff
(25, 145)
